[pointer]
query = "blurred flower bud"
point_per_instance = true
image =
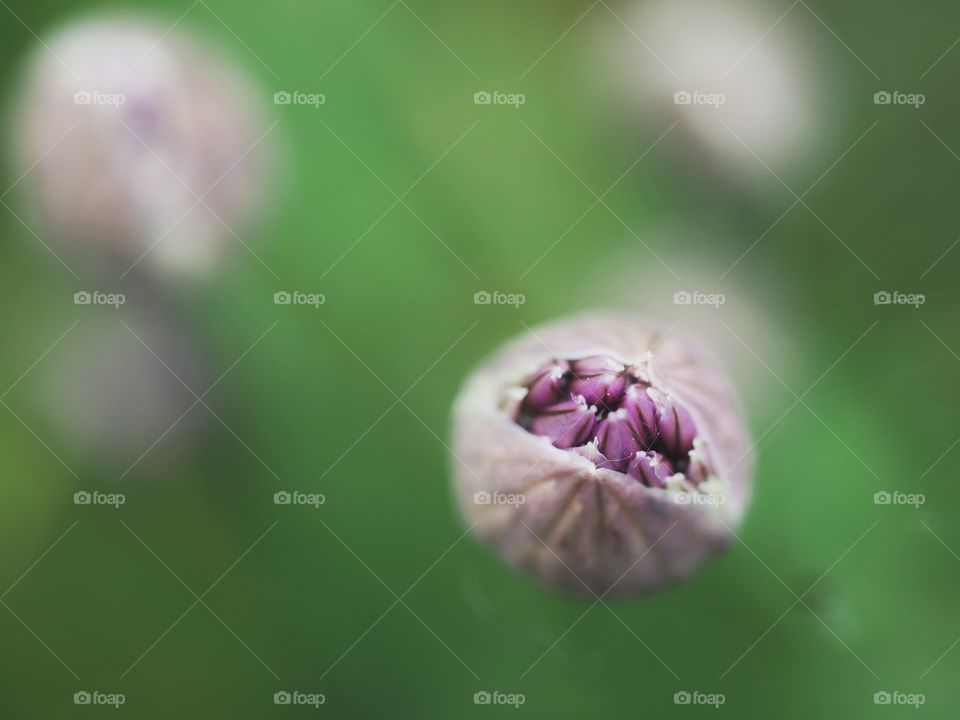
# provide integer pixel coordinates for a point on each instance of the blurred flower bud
(731, 76)
(599, 453)
(115, 394)
(138, 141)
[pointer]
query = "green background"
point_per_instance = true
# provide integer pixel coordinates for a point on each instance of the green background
(292, 608)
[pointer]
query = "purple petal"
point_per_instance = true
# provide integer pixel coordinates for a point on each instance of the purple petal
(546, 386)
(642, 411)
(650, 468)
(605, 390)
(601, 381)
(567, 424)
(676, 426)
(596, 365)
(590, 452)
(616, 441)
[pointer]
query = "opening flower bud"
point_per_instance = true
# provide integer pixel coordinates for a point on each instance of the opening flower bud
(602, 455)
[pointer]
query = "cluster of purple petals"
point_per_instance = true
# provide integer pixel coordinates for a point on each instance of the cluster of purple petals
(635, 428)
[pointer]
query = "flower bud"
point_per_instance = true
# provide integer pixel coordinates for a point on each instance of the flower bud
(136, 140)
(600, 455)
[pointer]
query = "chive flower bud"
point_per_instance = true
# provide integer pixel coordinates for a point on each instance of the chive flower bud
(600, 454)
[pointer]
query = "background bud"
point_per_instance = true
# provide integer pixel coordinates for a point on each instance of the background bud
(618, 512)
(729, 74)
(141, 142)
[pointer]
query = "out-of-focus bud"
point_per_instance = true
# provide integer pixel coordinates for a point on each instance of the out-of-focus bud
(626, 495)
(136, 141)
(731, 76)
(115, 396)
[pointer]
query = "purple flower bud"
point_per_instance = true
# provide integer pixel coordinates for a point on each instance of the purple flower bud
(617, 440)
(650, 468)
(547, 385)
(643, 413)
(674, 423)
(625, 449)
(600, 380)
(567, 424)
